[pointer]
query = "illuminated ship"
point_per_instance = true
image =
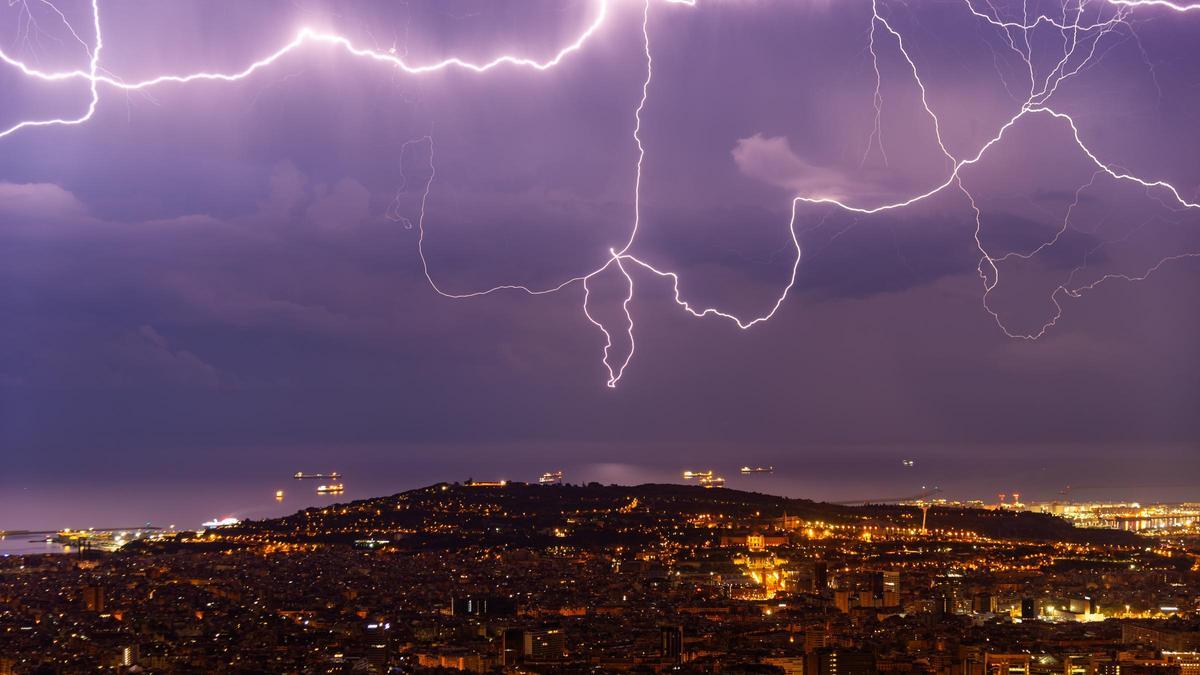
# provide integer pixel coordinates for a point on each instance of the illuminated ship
(758, 469)
(909, 462)
(221, 522)
(331, 489)
(551, 478)
(705, 478)
(279, 495)
(300, 475)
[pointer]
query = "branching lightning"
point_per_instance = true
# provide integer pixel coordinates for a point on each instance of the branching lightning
(1081, 40)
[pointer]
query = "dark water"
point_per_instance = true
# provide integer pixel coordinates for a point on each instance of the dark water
(20, 545)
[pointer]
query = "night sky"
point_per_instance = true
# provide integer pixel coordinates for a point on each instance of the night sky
(208, 286)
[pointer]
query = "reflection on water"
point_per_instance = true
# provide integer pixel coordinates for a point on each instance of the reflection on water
(21, 545)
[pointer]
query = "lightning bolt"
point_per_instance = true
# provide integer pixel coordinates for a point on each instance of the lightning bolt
(1080, 39)
(1178, 7)
(1037, 103)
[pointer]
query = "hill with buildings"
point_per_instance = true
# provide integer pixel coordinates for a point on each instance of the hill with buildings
(457, 515)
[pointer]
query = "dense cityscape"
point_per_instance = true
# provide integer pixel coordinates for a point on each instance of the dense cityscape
(514, 577)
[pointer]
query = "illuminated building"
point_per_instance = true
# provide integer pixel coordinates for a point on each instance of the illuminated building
(464, 661)
(1188, 662)
(1168, 636)
(1006, 664)
(826, 661)
(755, 541)
(1138, 667)
(1130, 516)
(885, 588)
(483, 606)
(547, 644)
(378, 646)
(766, 571)
(790, 665)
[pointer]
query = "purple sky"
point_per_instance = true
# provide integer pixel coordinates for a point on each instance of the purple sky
(202, 283)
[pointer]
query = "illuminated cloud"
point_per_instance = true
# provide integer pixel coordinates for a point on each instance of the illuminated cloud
(39, 202)
(772, 160)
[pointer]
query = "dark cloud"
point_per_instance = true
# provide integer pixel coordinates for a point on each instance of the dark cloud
(229, 272)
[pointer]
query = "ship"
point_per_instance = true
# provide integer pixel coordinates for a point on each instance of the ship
(300, 475)
(279, 495)
(221, 522)
(331, 489)
(706, 478)
(757, 469)
(551, 478)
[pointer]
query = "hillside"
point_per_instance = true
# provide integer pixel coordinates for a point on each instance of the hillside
(452, 515)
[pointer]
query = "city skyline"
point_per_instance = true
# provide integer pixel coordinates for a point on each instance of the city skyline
(496, 576)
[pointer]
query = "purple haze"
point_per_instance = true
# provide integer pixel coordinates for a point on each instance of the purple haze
(202, 291)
